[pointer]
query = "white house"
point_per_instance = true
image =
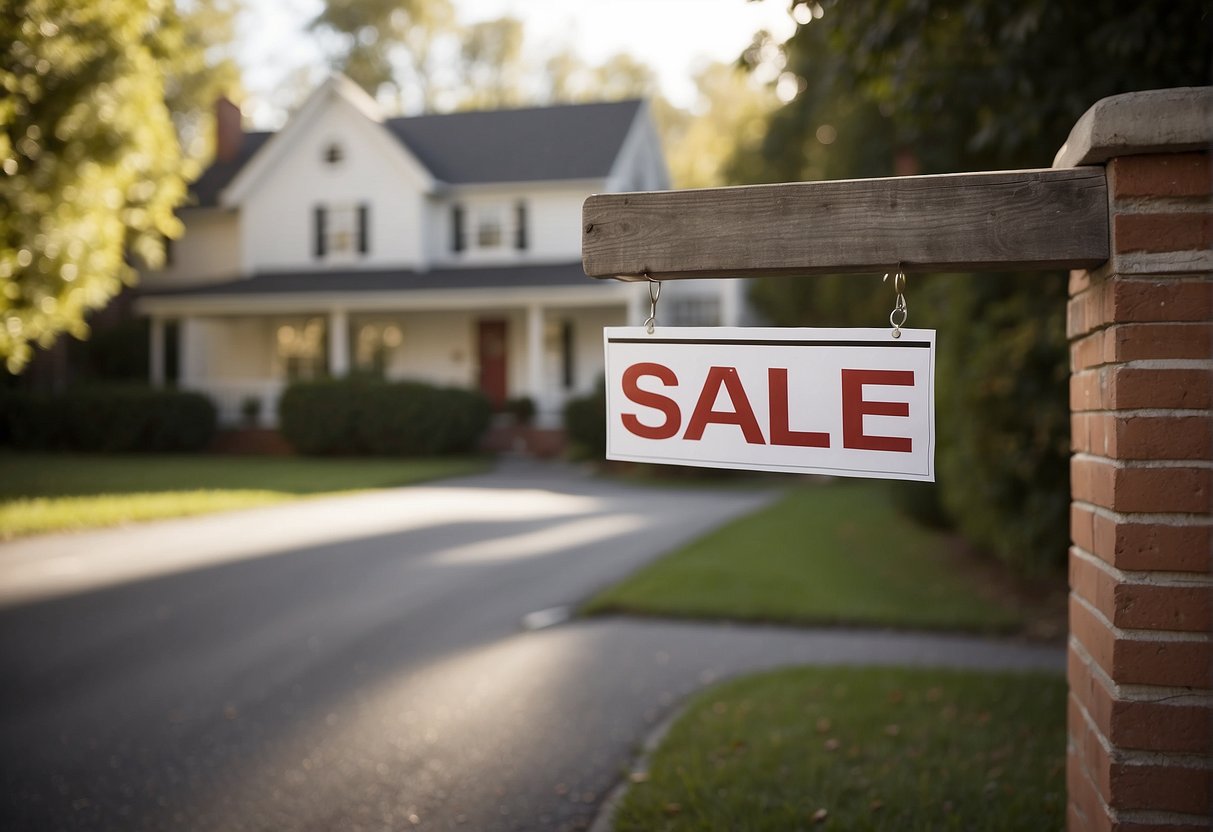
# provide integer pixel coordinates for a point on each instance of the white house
(444, 248)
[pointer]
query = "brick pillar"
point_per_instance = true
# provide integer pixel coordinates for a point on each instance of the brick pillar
(1140, 750)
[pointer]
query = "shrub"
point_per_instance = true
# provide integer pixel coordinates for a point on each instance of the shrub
(585, 422)
(365, 416)
(107, 419)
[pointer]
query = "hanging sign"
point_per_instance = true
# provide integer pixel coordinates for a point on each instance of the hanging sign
(843, 402)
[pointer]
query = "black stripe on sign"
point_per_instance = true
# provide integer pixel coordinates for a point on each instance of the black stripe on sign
(746, 342)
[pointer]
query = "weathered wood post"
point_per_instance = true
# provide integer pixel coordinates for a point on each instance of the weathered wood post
(1140, 658)
(1128, 206)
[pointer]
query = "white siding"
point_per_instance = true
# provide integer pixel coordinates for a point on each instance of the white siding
(208, 252)
(277, 216)
(553, 218)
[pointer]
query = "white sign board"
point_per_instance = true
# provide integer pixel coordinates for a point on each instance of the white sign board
(843, 402)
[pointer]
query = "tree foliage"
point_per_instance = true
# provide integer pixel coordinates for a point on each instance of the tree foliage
(951, 86)
(92, 167)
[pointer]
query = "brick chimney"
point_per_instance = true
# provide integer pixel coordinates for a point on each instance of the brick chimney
(229, 133)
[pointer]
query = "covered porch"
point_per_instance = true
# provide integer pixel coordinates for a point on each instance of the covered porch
(243, 351)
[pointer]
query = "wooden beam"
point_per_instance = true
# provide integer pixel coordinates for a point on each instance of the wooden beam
(1021, 219)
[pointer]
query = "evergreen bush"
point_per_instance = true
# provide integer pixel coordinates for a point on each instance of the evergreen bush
(367, 416)
(109, 419)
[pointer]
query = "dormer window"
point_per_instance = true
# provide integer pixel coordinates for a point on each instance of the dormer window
(333, 153)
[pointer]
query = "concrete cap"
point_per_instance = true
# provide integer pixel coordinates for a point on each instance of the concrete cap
(1151, 121)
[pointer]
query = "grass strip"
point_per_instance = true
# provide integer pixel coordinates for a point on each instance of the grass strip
(827, 554)
(860, 749)
(59, 492)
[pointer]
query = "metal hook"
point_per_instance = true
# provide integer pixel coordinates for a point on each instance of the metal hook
(900, 310)
(654, 294)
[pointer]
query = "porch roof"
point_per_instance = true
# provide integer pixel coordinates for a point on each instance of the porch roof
(379, 281)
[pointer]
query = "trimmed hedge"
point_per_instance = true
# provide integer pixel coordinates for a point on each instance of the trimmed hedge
(107, 419)
(585, 422)
(365, 416)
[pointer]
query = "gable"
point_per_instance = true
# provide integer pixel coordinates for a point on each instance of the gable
(337, 112)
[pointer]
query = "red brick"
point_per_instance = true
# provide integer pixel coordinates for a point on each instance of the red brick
(1196, 824)
(1179, 489)
(1142, 606)
(1133, 388)
(1084, 795)
(1161, 788)
(1152, 546)
(1093, 585)
(1161, 300)
(1088, 351)
(1082, 527)
(1087, 390)
(1080, 281)
(1139, 606)
(1167, 663)
(1094, 636)
(1169, 175)
(1136, 387)
(1161, 232)
(1140, 662)
(1140, 726)
(1089, 311)
(1158, 437)
(1146, 341)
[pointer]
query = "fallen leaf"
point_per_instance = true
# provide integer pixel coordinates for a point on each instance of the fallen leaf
(876, 805)
(672, 808)
(639, 777)
(819, 816)
(832, 744)
(892, 730)
(823, 725)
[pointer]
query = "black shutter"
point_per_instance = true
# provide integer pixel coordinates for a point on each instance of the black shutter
(567, 358)
(320, 231)
(520, 241)
(457, 241)
(363, 239)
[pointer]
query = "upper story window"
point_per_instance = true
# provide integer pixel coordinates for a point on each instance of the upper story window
(341, 229)
(492, 226)
(333, 154)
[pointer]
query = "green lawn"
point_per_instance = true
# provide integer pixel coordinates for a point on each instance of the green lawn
(54, 492)
(825, 554)
(859, 749)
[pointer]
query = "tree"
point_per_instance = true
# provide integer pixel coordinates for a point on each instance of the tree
(92, 167)
(973, 85)
(492, 70)
(388, 44)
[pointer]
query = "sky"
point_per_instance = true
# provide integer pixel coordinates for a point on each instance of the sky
(672, 36)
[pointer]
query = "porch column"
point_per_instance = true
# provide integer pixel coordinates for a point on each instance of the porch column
(156, 352)
(534, 353)
(339, 343)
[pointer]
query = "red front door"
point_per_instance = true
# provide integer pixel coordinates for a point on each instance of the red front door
(490, 347)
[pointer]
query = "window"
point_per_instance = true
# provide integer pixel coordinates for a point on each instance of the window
(373, 346)
(333, 154)
(341, 229)
(488, 228)
(694, 311)
(301, 349)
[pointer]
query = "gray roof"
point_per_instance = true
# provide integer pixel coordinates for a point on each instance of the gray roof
(569, 141)
(575, 141)
(205, 191)
(388, 280)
